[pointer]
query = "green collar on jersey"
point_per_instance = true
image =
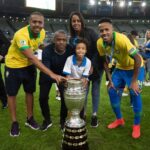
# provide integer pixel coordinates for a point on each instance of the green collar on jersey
(105, 44)
(31, 34)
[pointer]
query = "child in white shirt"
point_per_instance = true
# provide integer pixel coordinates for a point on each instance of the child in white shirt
(78, 65)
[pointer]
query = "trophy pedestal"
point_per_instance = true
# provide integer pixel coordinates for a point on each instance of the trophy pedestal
(75, 138)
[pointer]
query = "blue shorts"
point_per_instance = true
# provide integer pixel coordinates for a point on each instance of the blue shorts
(14, 77)
(121, 78)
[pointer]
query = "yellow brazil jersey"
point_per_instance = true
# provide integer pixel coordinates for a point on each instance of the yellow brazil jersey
(121, 49)
(23, 39)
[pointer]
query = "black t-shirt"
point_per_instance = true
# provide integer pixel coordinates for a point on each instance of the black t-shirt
(54, 61)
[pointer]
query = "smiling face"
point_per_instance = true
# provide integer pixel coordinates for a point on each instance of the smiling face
(76, 23)
(36, 24)
(80, 50)
(106, 31)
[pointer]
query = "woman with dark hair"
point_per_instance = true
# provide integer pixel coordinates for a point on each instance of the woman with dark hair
(79, 30)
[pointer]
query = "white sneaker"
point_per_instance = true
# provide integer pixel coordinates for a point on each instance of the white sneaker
(124, 94)
(146, 83)
(106, 83)
(58, 98)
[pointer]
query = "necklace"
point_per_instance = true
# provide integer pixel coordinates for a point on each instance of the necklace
(60, 53)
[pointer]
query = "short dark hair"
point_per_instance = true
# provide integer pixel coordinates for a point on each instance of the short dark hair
(36, 13)
(134, 32)
(59, 31)
(82, 40)
(105, 20)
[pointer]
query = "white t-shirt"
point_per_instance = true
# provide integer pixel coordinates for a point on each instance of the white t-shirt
(71, 67)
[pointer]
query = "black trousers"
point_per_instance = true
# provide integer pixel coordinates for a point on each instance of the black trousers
(44, 97)
(3, 96)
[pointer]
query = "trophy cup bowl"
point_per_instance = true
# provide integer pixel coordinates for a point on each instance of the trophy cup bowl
(74, 99)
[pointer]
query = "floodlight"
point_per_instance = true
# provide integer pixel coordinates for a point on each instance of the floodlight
(129, 3)
(143, 4)
(92, 2)
(108, 3)
(99, 3)
(122, 3)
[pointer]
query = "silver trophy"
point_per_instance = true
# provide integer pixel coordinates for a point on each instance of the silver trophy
(75, 135)
(74, 100)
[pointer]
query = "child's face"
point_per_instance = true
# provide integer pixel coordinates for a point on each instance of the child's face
(80, 50)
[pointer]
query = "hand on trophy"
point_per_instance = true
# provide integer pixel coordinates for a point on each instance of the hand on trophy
(84, 82)
(58, 78)
(65, 82)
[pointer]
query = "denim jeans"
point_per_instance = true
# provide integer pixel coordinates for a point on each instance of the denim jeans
(95, 91)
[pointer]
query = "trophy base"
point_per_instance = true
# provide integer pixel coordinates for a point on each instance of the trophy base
(84, 147)
(75, 139)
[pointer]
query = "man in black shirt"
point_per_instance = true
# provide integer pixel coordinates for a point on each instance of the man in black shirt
(54, 57)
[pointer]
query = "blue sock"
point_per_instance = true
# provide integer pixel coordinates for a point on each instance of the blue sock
(137, 107)
(115, 97)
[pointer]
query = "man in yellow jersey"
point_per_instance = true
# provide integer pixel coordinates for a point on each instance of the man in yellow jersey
(129, 71)
(20, 68)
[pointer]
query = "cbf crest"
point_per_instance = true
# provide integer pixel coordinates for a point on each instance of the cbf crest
(23, 42)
